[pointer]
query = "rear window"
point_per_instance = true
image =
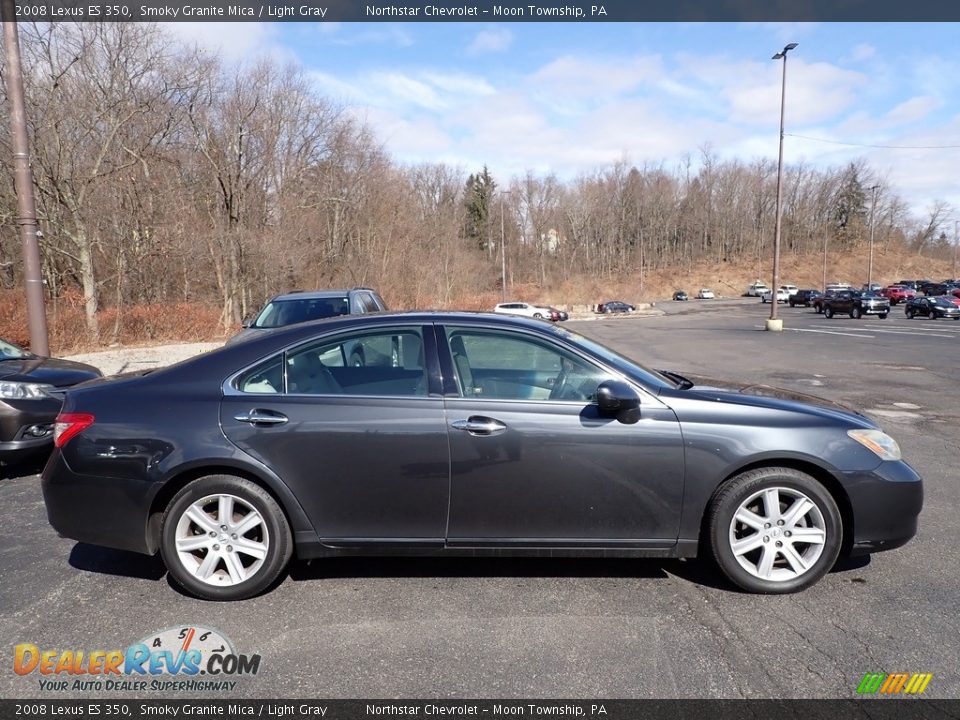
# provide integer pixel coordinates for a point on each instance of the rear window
(297, 310)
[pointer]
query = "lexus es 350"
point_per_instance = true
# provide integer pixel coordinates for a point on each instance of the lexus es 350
(469, 434)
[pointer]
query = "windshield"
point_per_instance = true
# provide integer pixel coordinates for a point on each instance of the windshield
(297, 310)
(627, 366)
(9, 351)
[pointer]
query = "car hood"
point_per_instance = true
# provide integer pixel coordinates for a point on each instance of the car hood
(52, 371)
(758, 395)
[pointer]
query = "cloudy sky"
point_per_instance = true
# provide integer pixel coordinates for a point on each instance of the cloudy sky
(569, 97)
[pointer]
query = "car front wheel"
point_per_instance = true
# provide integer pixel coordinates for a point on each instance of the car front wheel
(774, 530)
(225, 538)
(909, 313)
(855, 313)
(828, 312)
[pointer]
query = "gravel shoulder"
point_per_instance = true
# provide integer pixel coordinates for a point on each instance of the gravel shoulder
(127, 359)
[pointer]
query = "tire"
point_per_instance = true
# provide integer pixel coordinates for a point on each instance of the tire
(818, 309)
(270, 537)
(828, 312)
(856, 313)
(749, 491)
(909, 313)
(932, 315)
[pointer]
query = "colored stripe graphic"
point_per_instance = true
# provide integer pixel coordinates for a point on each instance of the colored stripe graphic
(871, 683)
(894, 683)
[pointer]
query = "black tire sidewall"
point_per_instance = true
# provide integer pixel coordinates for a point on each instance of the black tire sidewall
(735, 491)
(278, 554)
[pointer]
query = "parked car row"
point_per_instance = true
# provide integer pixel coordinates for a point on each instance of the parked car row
(538, 312)
(702, 294)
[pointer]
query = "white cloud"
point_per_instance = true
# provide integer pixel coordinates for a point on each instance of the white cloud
(233, 41)
(585, 78)
(912, 110)
(490, 41)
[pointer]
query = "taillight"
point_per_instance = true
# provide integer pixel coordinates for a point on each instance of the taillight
(69, 424)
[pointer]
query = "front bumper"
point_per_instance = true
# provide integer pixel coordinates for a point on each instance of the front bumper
(18, 418)
(886, 506)
(109, 512)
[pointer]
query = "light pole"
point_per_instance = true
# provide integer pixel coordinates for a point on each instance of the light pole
(773, 323)
(873, 205)
(23, 184)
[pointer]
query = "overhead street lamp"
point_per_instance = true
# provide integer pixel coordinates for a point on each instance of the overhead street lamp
(773, 323)
(873, 205)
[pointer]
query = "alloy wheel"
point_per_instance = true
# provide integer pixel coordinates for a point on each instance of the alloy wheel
(777, 534)
(222, 540)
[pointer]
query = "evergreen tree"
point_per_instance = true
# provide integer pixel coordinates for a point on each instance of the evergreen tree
(478, 199)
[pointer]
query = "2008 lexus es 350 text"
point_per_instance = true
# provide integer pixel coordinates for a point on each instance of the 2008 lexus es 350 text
(465, 434)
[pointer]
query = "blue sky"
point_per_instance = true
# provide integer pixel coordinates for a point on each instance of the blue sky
(571, 97)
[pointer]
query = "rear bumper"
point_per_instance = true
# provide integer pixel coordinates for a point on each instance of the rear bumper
(101, 511)
(886, 506)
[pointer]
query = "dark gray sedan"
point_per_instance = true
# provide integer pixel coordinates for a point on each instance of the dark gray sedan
(484, 434)
(31, 391)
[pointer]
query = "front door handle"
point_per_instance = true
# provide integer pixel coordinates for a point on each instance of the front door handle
(476, 425)
(262, 417)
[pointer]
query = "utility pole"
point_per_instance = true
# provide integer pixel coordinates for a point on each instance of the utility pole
(956, 241)
(826, 234)
(23, 184)
(503, 255)
(873, 205)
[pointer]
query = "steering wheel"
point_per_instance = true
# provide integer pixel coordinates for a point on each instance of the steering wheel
(561, 387)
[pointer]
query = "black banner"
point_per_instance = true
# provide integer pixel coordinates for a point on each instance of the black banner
(488, 10)
(888, 709)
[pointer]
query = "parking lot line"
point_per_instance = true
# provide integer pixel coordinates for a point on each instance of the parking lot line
(824, 332)
(920, 333)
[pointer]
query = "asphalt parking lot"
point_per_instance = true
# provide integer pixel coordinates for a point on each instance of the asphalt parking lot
(557, 628)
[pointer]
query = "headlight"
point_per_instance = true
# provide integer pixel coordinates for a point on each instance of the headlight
(884, 446)
(24, 391)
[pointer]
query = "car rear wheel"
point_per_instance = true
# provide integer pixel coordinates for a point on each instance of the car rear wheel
(774, 530)
(225, 538)
(828, 312)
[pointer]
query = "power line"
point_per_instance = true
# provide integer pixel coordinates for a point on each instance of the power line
(868, 145)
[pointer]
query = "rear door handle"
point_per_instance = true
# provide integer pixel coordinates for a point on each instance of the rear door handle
(476, 425)
(262, 417)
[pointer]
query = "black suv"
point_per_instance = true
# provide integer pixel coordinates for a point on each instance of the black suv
(301, 306)
(804, 297)
(932, 307)
(856, 304)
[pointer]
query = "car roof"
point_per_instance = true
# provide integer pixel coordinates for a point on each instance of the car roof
(316, 294)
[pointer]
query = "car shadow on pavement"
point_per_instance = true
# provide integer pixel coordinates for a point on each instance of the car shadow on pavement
(23, 468)
(105, 561)
(488, 567)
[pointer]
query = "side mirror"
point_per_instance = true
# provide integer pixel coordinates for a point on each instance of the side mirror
(247, 322)
(616, 398)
